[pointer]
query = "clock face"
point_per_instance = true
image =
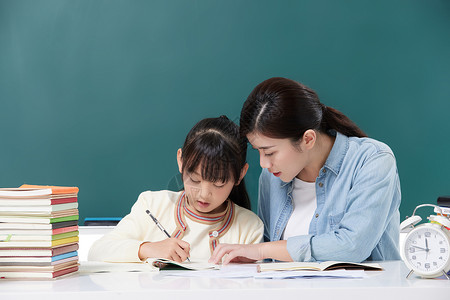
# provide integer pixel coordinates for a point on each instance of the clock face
(427, 250)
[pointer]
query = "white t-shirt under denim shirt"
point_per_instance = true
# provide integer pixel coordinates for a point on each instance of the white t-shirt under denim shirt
(304, 205)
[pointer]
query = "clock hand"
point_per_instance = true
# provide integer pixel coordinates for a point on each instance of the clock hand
(419, 247)
(427, 249)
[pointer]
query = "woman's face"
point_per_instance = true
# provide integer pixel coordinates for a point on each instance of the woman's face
(282, 158)
(206, 196)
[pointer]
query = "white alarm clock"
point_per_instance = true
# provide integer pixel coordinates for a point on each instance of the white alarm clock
(426, 247)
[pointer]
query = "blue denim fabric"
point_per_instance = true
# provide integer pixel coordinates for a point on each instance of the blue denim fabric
(358, 198)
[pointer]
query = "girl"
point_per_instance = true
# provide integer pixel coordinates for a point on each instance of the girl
(213, 208)
(326, 192)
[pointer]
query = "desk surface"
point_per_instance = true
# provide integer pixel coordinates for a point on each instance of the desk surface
(388, 284)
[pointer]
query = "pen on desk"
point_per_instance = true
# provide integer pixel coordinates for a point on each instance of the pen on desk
(160, 226)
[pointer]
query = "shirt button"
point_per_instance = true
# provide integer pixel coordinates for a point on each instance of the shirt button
(215, 234)
(317, 215)
(320, 184)
(324, 170)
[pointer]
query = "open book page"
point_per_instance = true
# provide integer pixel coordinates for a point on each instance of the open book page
(317, 266)
(167, 264)
(250, 271)
(312, 274)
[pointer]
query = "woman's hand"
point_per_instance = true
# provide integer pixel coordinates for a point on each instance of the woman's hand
(236, 253)
(250, 252)
(172, 248)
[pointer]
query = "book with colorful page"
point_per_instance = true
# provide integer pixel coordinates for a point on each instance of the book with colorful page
(55, 190)
(50, 268)
(36, 209)
(39, 232)
(35, 195)
(37, 251)
(42, 244)
(316, 266)
(31, 214)
(41, 201)
(8, 193)
(39, 260)
(41, 226)
(30, 236)
(53, 218)
(35, 274)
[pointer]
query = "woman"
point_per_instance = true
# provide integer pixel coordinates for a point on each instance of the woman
(327, 191)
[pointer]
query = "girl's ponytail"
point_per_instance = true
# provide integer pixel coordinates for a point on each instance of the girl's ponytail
(240, 196)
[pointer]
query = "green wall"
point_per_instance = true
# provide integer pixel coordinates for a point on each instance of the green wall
(100, 94)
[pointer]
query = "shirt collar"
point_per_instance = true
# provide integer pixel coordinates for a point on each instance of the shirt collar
(283, 184)
(337, 153)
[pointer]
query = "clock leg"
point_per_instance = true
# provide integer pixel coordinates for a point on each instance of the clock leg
(445, 274)
(409, 274)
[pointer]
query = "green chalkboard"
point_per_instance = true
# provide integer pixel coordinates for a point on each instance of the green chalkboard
(100, 94)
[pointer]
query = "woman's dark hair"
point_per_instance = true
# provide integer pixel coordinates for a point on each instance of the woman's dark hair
(215, 145)
(283, 108)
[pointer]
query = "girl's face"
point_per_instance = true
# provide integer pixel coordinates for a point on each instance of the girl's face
(205, 196)
(280, 156)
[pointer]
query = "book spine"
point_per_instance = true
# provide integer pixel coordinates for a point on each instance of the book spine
(65, 229)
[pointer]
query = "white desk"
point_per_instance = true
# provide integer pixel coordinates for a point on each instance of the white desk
(388, 284)
(88, 235)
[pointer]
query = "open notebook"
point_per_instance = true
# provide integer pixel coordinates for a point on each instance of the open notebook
(317, 266)
(167, 264)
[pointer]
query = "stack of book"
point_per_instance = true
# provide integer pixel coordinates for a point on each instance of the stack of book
(38, 231)
(444, 204)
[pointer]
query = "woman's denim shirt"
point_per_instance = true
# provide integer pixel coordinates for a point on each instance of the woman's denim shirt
(358, 197)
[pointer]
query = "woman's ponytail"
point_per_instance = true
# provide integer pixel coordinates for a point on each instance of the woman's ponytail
(334, 119)
(282, 108)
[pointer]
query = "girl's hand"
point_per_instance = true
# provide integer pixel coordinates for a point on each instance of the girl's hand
(236, 253)
(171, 248)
